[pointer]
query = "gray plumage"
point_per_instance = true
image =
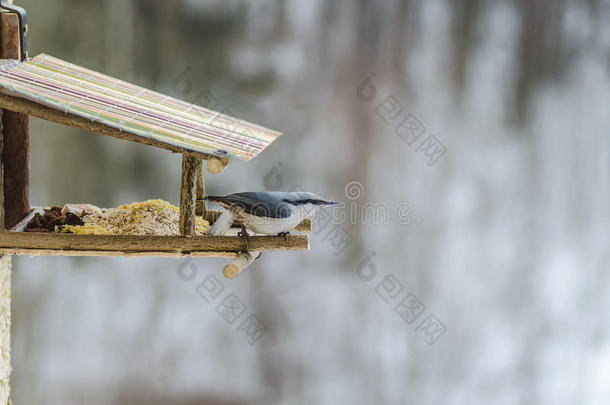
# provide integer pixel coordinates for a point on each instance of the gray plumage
(270, 211)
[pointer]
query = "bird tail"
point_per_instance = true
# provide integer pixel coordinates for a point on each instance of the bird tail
(210, 198)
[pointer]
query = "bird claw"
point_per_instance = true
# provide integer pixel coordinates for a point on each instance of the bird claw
(285, 235)
(244, 234)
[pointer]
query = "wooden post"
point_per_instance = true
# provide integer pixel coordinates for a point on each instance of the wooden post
(221, 225)
(16, 149)
(239, 264)
(1, 172)
(14, 190)
(216, 164)
(188, 191)
(200, 204)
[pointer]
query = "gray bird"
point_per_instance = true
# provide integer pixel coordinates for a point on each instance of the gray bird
(272, 212)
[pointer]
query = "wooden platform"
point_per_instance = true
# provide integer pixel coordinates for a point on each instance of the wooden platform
(65, 244)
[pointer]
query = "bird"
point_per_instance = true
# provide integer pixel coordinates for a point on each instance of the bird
(270, 212)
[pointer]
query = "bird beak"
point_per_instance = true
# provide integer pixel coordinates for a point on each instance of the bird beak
(330, 202)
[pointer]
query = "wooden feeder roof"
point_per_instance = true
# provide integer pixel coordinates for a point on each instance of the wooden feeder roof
(76, 96)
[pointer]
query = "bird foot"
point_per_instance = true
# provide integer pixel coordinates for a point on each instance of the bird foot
(244, 234)
(285, 235)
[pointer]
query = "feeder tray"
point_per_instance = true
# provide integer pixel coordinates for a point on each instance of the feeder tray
(72, 244)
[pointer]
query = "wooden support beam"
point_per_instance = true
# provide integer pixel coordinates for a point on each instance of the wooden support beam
(113, 253)
(15, 127)
(221, 224)
(200, 204)
(1, 172)
(216, 164)
(22, 242)
(21, 225)
(188, 194)
(239, 264)
(14, 189)
(24, 106)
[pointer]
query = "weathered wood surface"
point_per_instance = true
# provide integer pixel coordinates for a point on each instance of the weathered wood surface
(216, 164)
(221, 224)
(188, 194)
(20, 227)
(114, 253)
(240, 263)
(14, 183)
(15, 242)
(24, 106)
(1, 173)
(15, 143)
(200, 204)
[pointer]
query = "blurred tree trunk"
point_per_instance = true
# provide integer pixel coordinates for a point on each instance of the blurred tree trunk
(463, 28)
(404, 27)
(542, 53)
(119, 38)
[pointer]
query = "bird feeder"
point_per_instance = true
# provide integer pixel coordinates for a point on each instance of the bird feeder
(54, 90)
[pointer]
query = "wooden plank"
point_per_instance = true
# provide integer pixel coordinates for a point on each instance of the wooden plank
(116, 253)
(13, 171)
(188, 194)
(15, 127)
(1, 171)
(24, 106)
(222, 224)
(16, 241)
(200, 204)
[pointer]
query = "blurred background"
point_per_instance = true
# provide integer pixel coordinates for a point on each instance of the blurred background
(503, 246)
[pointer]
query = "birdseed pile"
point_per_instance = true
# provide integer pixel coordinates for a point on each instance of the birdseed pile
(152, 217)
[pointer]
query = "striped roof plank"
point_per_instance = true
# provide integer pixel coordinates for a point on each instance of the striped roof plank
(145, 114)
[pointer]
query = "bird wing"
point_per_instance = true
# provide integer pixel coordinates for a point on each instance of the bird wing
(258, 204)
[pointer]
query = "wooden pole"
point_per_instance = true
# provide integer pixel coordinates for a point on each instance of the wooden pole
(16, 149)
(21, 242)
(188, 191)
(200, 204)
(221, 225)
(239, 264)
(14, 190)
(216, 164)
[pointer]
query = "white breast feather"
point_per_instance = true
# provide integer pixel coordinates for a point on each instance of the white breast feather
(277, 225)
